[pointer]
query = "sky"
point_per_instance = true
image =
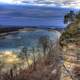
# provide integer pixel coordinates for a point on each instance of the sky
(61, 3)
(41, 13)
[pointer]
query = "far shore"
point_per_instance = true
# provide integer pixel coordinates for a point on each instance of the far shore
(27, 28)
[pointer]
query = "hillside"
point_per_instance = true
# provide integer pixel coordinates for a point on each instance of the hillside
(71, 34)
(70, 43)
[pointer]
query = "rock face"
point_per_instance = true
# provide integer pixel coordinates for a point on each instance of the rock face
(70, 43)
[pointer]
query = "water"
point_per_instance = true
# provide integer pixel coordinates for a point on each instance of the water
(27, 39)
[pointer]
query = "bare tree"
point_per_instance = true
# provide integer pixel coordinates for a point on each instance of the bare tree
(25, 55)
(44, 41)
(34, 59)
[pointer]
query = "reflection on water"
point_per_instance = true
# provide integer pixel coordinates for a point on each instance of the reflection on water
(23, 48)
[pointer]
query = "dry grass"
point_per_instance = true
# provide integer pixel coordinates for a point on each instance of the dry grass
(76, 72)
(45, 69)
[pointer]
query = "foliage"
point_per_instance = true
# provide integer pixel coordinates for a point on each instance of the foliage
(71, 29)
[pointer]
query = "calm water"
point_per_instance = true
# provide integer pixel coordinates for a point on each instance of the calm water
(16, 40)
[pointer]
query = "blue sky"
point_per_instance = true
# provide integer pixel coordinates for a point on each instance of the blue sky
(33, 14)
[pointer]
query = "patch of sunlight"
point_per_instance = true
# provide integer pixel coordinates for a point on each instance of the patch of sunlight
(69, 65)
(9, 54)
(10, 58)
(30, 61)
(67, 78)
(12, 61)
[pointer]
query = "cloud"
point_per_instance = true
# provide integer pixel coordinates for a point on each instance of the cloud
(60, 3)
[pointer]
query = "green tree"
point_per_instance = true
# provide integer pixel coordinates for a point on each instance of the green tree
(69, 17)
(74, 23)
